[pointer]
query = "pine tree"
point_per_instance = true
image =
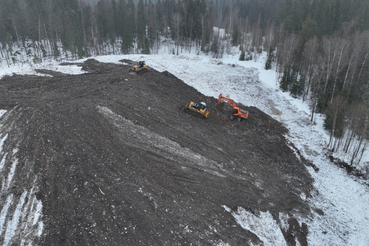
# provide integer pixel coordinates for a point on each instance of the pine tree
(270, 58)
(208, 27)
(242, 55)
(307, 32)
(129, 24)
(67, 31)
(3, 32)
(330, 17)
(235, 35)
(152, 25)
(362, 21)
(141, 25)
(146, 48)
(285, 82)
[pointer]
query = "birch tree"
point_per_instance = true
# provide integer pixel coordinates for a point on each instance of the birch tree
(309, 60)
(342, 48)
(330, 54)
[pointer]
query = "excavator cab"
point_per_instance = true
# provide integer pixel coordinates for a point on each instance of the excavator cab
(199, 106)
(239, 114)
(141, 64)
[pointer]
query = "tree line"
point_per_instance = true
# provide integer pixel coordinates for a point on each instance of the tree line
(84, 29)
(137, 25)
(321, 51)
(319, 48)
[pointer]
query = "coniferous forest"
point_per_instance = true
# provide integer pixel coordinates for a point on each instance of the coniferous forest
(320, 48)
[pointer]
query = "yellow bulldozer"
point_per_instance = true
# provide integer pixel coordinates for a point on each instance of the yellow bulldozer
(197, 109)
(140, 68)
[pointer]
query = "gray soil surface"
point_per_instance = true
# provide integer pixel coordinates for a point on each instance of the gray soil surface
(118, 162)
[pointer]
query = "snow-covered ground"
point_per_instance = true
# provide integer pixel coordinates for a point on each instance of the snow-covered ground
(343, 198)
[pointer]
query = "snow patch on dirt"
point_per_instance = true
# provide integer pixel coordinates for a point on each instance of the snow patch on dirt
(30, 69)
(11, 173)
(12, 225)
(21, 213)
(2, 112)
(2, 142)
(264, 226)
(4, 212)
(2, 163)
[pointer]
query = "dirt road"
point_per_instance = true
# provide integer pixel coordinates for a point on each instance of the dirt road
(117, 162)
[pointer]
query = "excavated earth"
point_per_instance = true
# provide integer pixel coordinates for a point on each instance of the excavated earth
(118, 162)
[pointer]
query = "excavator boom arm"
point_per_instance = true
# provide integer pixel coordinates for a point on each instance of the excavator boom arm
(227, 99)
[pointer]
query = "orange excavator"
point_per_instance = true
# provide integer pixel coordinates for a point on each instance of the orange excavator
(236, 112)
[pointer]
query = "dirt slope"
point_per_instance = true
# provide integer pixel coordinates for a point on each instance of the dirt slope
(117, 162)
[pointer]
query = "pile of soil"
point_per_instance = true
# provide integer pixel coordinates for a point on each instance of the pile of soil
(118, 162)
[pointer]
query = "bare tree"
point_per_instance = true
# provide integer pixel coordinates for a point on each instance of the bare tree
(330, 54)
(342, 48)
(309, 59)
(316, 81)
(269, 37)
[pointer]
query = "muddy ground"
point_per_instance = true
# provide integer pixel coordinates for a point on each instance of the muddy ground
(118, 162)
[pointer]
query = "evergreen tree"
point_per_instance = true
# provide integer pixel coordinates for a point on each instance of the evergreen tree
(307, 32)
(362, 20)
(67, 31)
(208, 24)
(152, 26)
(242, 55)
(285, 83)
(129, 24)
(235, 35)
(330, 20)
(270, 58)
(141, 25)
(297, 85)
(159, 15)
(146, 48)
(105, 20)
(3, 32)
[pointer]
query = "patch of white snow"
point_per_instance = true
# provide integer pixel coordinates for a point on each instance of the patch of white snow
(263, 226)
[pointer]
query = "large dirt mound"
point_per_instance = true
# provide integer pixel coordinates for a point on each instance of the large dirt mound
(117, 161)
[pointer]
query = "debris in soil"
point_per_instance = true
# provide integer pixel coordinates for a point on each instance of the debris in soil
(117, 162)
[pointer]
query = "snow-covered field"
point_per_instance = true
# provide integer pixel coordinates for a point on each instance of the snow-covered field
(343, 199)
